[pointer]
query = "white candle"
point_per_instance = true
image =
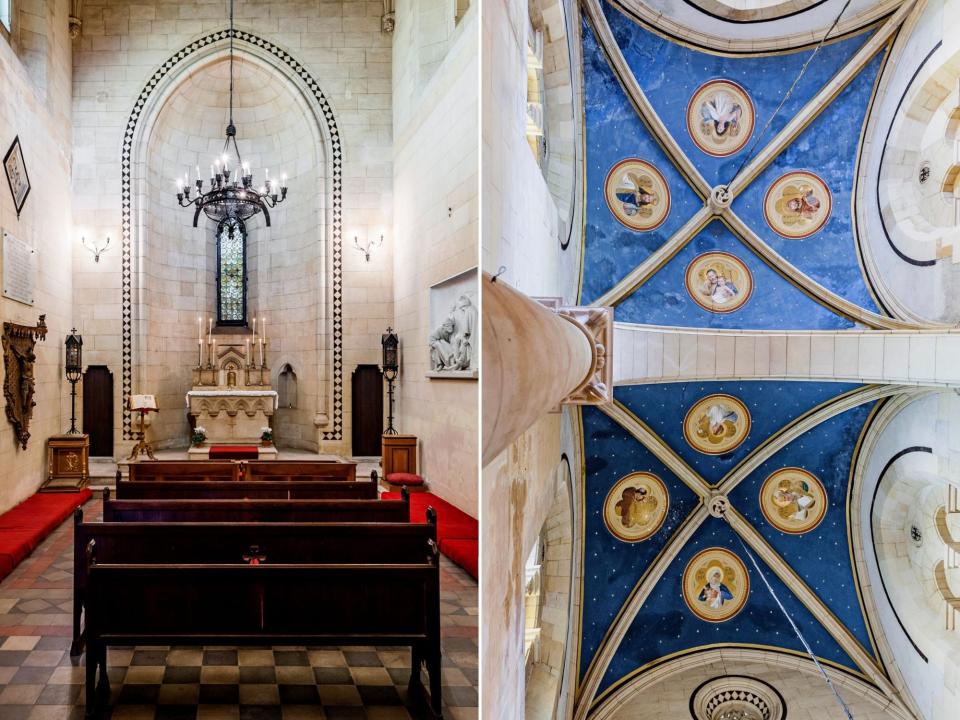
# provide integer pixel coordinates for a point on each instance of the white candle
(263, 328)
(254, 331)
(200, 329)
(211, 172)
(198, 172)
(209, 328)
(248, 352)
(261, 352)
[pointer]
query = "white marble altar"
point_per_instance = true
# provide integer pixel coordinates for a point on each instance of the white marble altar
(232, 400)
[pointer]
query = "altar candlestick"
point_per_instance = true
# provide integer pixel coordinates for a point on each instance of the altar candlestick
(209, 328)
(248, 353)
(214, 357)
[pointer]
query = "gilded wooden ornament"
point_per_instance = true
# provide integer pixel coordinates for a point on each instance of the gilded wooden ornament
(18, 382)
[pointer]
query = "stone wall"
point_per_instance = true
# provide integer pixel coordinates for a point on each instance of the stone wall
(522, 233)
(341, 46)
(518, 491)
(435, 233)
(35, 67)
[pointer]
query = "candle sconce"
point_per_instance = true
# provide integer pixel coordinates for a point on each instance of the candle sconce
(371, 245)
(94, 249)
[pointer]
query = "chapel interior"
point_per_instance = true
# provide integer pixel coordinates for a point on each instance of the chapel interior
(720, 416)
(241, 350)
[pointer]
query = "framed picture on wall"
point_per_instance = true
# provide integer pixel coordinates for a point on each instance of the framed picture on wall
(17, 176)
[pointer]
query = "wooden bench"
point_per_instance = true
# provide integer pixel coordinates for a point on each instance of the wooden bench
(205, 470)
(300, 470)
(232, 542)
(251, 490)
(180, 470)
(152, 584)
(200, 510)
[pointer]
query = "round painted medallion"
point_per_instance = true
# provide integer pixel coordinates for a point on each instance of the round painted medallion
(720, 117)
(716, 424)
(715, 585)
(637, 194)
(719, 282)
(793, 500)
(797, 205)
(636, 506)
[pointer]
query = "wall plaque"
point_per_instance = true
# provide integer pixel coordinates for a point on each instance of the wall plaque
(19, 269)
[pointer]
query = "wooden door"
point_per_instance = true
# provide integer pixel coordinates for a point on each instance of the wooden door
(367, 410)
(98, 410)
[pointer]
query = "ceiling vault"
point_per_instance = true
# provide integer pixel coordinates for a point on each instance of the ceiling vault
(717, 200)
(708, 495)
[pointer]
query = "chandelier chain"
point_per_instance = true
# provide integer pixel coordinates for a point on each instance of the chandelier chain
(803, 640)
(803, 69)
(231, 61)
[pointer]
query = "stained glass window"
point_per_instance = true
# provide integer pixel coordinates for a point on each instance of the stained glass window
(231, 272)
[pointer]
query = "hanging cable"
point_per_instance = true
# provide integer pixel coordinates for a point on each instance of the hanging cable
(803, 640)
(803, 69)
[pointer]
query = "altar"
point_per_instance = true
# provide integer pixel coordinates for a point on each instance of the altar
(232, 400)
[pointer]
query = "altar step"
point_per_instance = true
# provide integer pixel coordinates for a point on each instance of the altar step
(103, 473)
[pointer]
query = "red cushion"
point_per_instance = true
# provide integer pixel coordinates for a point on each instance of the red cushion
(234, 452)
(457, 533)
(465, 553)
(25, 526)
(404, 479)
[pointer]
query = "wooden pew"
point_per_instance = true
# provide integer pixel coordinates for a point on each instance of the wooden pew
(317, 584)
(222, 542)
(299, 470)
(203, 470)
(243, 489)
(194, 471)
(248, 511)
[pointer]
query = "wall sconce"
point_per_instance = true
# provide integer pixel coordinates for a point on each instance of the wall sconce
(94, 249)
(370, 246)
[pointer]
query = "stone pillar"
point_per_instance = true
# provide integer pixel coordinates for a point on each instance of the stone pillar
(535, 358)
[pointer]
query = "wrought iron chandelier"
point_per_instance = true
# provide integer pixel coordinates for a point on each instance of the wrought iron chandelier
(231, 193)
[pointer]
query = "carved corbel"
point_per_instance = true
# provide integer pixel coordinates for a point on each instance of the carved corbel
(76, 7)
(388, 20)
(597, 325)
(18, 383)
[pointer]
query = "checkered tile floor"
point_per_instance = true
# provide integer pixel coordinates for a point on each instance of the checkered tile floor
(39, 680)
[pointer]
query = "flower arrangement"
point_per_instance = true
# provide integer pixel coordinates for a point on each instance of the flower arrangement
(199, 435)
(266, 434)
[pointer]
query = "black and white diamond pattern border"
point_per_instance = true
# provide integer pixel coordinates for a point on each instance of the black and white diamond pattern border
(127, 228)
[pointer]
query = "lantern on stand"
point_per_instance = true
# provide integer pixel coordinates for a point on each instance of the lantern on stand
(73, 365)
(391, 366)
